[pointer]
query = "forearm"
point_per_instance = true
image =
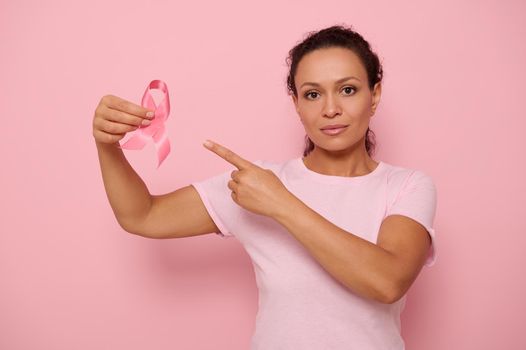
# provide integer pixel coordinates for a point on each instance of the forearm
(126, 191)
(358, 264)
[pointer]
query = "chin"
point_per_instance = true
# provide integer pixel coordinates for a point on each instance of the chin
(333, 146)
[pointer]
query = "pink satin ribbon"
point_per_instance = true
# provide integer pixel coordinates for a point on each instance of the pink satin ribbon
(156, 130)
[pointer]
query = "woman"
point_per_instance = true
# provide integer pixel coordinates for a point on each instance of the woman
(336, 238)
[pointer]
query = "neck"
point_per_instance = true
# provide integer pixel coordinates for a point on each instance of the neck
(347, 164)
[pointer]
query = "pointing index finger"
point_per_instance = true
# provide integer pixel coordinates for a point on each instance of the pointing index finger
(228, 155)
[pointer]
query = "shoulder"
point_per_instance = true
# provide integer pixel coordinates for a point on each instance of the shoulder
(398, 176)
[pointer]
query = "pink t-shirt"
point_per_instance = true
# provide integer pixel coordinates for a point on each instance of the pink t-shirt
(301, 306)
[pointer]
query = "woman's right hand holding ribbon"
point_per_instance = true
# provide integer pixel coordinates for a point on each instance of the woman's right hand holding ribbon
(114, 117)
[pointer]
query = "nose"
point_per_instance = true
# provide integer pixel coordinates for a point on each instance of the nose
(331, 107)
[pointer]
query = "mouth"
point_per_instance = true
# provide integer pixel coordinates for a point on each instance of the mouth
(334, 126)
(334, 129)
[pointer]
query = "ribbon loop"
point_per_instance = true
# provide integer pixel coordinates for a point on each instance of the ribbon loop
(156, 130)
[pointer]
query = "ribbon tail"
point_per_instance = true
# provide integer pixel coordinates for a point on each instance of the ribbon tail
(162, 145)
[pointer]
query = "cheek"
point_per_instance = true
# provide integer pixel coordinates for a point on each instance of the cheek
(357, 107)
(358, 112)
(309, 121)
(309, 112)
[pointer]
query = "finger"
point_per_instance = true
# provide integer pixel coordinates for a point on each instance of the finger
(107, 137)
(232, 185)
(117, 103)
(229, 155)
(114, 128)
(233, 174)
(123, 117)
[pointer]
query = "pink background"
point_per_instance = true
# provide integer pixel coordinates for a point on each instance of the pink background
(71, 278)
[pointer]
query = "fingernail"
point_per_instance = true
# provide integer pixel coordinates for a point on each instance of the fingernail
(149, 114)
(146, 122)
(207, 143)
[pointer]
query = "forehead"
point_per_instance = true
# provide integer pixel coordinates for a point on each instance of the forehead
(330, 64)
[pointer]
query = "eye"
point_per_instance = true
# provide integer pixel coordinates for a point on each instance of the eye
(309, 94)
(347, 88)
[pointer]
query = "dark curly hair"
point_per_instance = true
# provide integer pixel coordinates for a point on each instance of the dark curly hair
(336, 36)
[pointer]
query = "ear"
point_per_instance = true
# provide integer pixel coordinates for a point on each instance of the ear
(295, 101)
(377, 93)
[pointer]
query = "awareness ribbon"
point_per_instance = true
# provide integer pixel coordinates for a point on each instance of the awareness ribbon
(156, 130)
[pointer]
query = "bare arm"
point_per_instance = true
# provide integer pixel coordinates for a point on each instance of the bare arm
(382, 272)
(177, 214)
(180, 213)
(126, 191)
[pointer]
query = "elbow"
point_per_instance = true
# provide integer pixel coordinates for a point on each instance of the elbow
(391, 294)
(135, 232)
(391, 299)
(133, 228)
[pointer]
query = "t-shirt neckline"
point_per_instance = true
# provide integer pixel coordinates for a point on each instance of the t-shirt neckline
(335, 178)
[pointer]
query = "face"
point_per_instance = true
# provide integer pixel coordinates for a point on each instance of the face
(332, 88)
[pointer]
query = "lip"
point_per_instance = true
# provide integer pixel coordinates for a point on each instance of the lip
(334, 131)
(334, 126)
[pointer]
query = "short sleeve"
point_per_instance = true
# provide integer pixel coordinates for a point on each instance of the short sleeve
(417, 200)
(217, 199)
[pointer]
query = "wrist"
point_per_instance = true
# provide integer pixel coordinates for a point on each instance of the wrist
(102, 145)
(288, 207)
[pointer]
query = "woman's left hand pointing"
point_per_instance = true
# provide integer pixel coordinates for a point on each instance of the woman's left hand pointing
(254, 188)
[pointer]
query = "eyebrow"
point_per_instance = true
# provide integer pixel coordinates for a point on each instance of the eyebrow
(337, 81)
